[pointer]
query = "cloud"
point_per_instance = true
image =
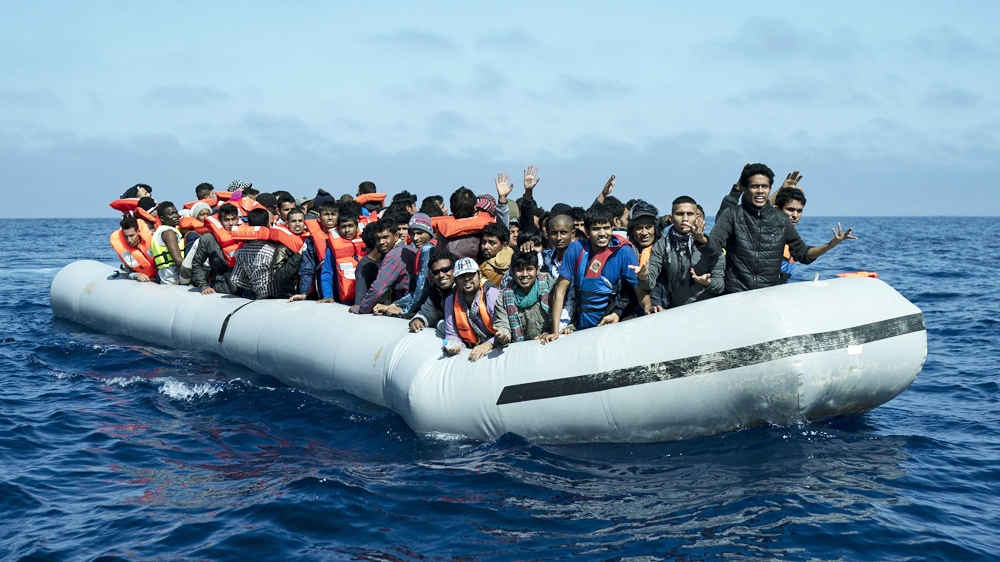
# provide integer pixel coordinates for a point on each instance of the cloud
(955, 98)
(774, 39)
(30, 98)
(184, 96)
(486, 80)
(419, 40)
(946, 43)
(509, 40)
(444, 125)
(587, 89)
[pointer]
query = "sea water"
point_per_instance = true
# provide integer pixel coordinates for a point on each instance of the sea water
(111, 448)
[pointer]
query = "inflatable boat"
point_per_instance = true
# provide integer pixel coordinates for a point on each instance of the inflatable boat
(782, 355)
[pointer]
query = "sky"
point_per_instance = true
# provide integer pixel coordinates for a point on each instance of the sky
(886, 108)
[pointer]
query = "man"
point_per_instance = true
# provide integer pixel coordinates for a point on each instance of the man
(561, 233)
(670, 273)
(595, 269)
(525, 314)
(137, 191)
(468, 313)
(210, 269)
(433, 206)
(379, 238)
(792, 202)
(269, 202)
(321, 230)
(368, 198)
(754, 235)
(442, 276)
(495, 254)
(288, 263)
(337, 277)
(406, 200)
(168, 244)
(133, 248)
(416, 257)
(459, 233)
(285, 204)
(253, 272)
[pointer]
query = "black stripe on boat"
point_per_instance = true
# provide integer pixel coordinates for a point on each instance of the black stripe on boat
(713, 362)
(225, 323)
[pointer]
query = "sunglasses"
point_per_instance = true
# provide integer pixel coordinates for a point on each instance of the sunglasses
(445, 269)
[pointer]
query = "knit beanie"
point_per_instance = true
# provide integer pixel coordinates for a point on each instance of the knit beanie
(421, 221)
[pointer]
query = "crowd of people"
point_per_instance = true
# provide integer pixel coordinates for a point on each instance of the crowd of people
(483, 270)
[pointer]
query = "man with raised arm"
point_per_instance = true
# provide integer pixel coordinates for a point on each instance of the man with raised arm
(754, 235)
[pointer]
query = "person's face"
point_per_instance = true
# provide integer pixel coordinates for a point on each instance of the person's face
(419, 237)
(284, 208)
(328, 218)
(402, 230)
(132, 237)
(701, 214)
(468, 283)
(229, 222)
(202, 214)
(412, 209)
(600, 234)
(170, 216)
(758, 188)
(644, 235)
(143, 192)
(348, 229)
(296, 223)
(682, 217)
(578, 224)
(514, 230)
(385, 240)
(490, 246)
(525, 277)
(444, 208)
(560, 234)
(794, 210)
(442, 274)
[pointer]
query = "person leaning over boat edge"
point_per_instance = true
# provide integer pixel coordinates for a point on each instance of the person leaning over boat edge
(168, 244)
(132, 244)
(441, 273)
(754, 235)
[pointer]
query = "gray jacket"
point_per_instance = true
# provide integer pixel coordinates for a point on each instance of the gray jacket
(670, 271)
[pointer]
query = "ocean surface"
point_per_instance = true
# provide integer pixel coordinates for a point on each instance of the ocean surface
(115, 449)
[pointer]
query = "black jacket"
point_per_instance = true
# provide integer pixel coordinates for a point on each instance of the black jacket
(209, 267)
(754, 240)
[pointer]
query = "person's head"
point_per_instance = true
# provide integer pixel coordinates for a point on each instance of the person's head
(269, 202)
(168, 213)
(642, 224)
(401, 219)
(143, 190)
(285, 204)
(386, 233)
(147, 204)
(351, 208)
(366, 187)
(250, 193)
(756, 181)
(441, 269)
(200, 210)
(347, 225)
(259, 217)
(463, 203)
(577, 213)
(295, 219)
(494, 239)
(420, 229)
(203, 190)
(515, 229)
(434, 201)
(792, 202)
(407, 200)
(618, 211)
(561, 229)
(524, 268)
(229, 216)
(370, 240)
(466, 273)
(532, 235)
(487, 204)
(701, 212)
(237, 185)
(599, 222)
(130, 229)
(328, 214)
(683, 212)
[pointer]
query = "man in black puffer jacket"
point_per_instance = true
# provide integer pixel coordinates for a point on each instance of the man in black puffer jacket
(755, 234)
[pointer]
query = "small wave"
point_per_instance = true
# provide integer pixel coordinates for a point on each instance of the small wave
(177, 390)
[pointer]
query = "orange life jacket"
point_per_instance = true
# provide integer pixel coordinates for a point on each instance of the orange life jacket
(223, 196)
(246, 205)
(144, 215)
(319, 237)
(225, 239)
(210, 202)
(125, 205)
(450, 227)
(788, 255)
(871, 274)
(462, 323)
(371, 198)
(191, 223)
(141, 255)
(285, 237)
(346, 254)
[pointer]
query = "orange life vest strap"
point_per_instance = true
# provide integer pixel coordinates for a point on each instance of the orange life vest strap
(319, 236)
(210, 202)
(285, 237)
(371, 198)
(191, 223)
(462, 322)
(140, 254)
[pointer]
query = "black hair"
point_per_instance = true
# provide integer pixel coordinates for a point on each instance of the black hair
(328, 205)
(498, 230)
(133, 192)
(405, 198)
(349, 208)
(295, 210)
(249, 191)
(683, 199)
(228, 210)
(597, 214)
(702, 209)
(463, 203)
(439, 254)
(128, 222)
(436, 199)
(614, 205)
(399, 211)
(751, 170)
(383, 224)
(786, 194)
(203, 190)
(267, 199)
(530, 234)
(284, 197)
(522, 260)
(577, 213)
(146, 203)
(366, 187)
(369, 237)
(345, 197)
(431, 209)
(346, 217)
(258, 217)
(164, 205)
